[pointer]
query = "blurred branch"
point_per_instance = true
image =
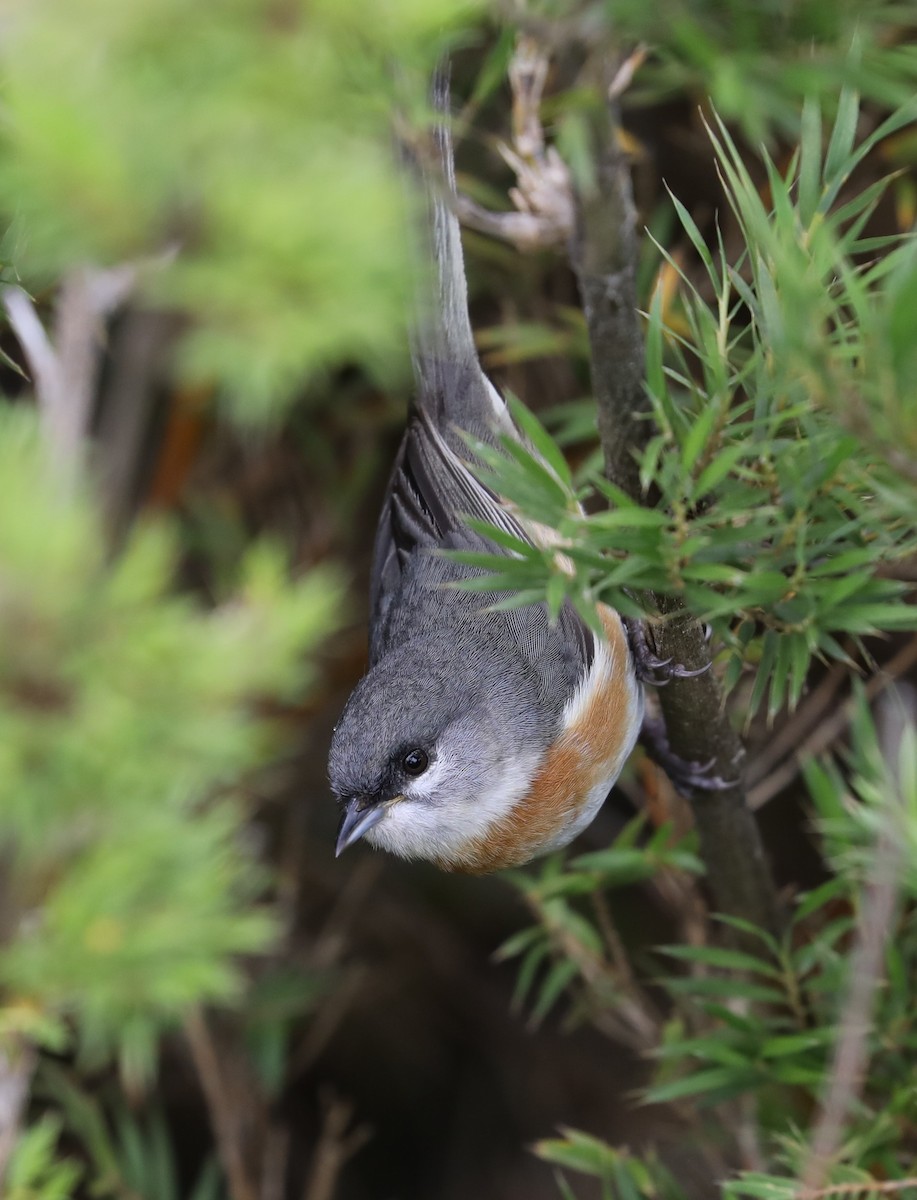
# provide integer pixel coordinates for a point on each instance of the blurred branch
(17, 1063)
(65, 367)
(851, 1053)
(229, 1110)
(874, 1187)
(604, 254)
(542, 196)
(827, 729)
(135, 376)
(626, 1013)
(336, 1145)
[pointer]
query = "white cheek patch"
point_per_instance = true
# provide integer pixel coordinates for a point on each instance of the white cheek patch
(425, 786)
(439, 821)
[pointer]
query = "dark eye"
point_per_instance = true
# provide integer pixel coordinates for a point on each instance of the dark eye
(415, 762)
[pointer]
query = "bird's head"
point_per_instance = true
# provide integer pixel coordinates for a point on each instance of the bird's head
(433, 748)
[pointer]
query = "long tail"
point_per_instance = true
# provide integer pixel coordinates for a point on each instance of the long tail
(451, 386)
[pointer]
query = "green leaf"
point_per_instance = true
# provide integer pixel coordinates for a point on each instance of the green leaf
(540, 439)
(825, 894)
(698, 436)
(723, 957)
(519, 942)
(743, 926)
(555, 983)
(526, 977)
(843, 134)
(725, 1081)
(793, 1044)
(809, 192)
(722, 987)
(578, 1152)
(492, 71)
(694, 234)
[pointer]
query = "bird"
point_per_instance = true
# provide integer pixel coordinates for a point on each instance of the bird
(479, 738)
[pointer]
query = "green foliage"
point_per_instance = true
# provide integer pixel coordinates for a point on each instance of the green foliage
(276, 1000)
(243, 149)
(782, 460)
(126, 717)
(128, 1155)
(876, 796)
(779, 505)
(566, 948)
(756, 63)
(35, 1172)
(622, 1175)
(760, 1024)
(252, 139)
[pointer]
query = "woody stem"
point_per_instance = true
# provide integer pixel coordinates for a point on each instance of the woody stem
(604, 256)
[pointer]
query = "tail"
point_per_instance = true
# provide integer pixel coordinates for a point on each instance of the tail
(451, 386)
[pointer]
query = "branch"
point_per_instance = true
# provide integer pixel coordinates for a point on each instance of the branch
(604, 255)
(543, 204)
(338, 1142)
(229, 1108)
(17, 1063)
(851, 1053)
(65, 368)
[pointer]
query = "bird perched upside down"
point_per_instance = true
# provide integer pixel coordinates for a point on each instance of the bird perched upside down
(478, 739)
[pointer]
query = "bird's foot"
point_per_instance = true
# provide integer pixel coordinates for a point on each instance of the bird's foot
(650, 668)
(687, 776)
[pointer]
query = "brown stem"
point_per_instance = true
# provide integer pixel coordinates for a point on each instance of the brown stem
(337, 1144)
(227, 1113)
(847, 1075)
(604, 255)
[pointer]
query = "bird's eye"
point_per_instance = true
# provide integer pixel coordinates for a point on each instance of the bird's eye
(415, 762)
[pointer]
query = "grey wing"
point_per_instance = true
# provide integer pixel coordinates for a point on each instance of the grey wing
(431, 494)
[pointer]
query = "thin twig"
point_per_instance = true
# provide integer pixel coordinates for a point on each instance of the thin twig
(65, 366)
(851, 1053)
(17, 1065)
(830, 730)
(36, 345)
(622, 1016)
(883, 1187)
(274, 1163)
(627, 980)
(809, 714)
(336, 1145)
(220, 1106)
(542, 197)
(85, 299)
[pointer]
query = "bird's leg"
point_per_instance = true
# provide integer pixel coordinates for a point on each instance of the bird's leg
(687, 776)
(650, 668)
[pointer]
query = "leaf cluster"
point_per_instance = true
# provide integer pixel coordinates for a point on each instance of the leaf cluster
(248, 148)
(567, 948)
(128, 717)
(752, 1031)
(622, 1175)
(755, 64)
(778, 488)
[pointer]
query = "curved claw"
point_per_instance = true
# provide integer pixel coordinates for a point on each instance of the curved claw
(656, 664)
(648, 664)
(696, 777)
(680, 672)
(687, 776)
